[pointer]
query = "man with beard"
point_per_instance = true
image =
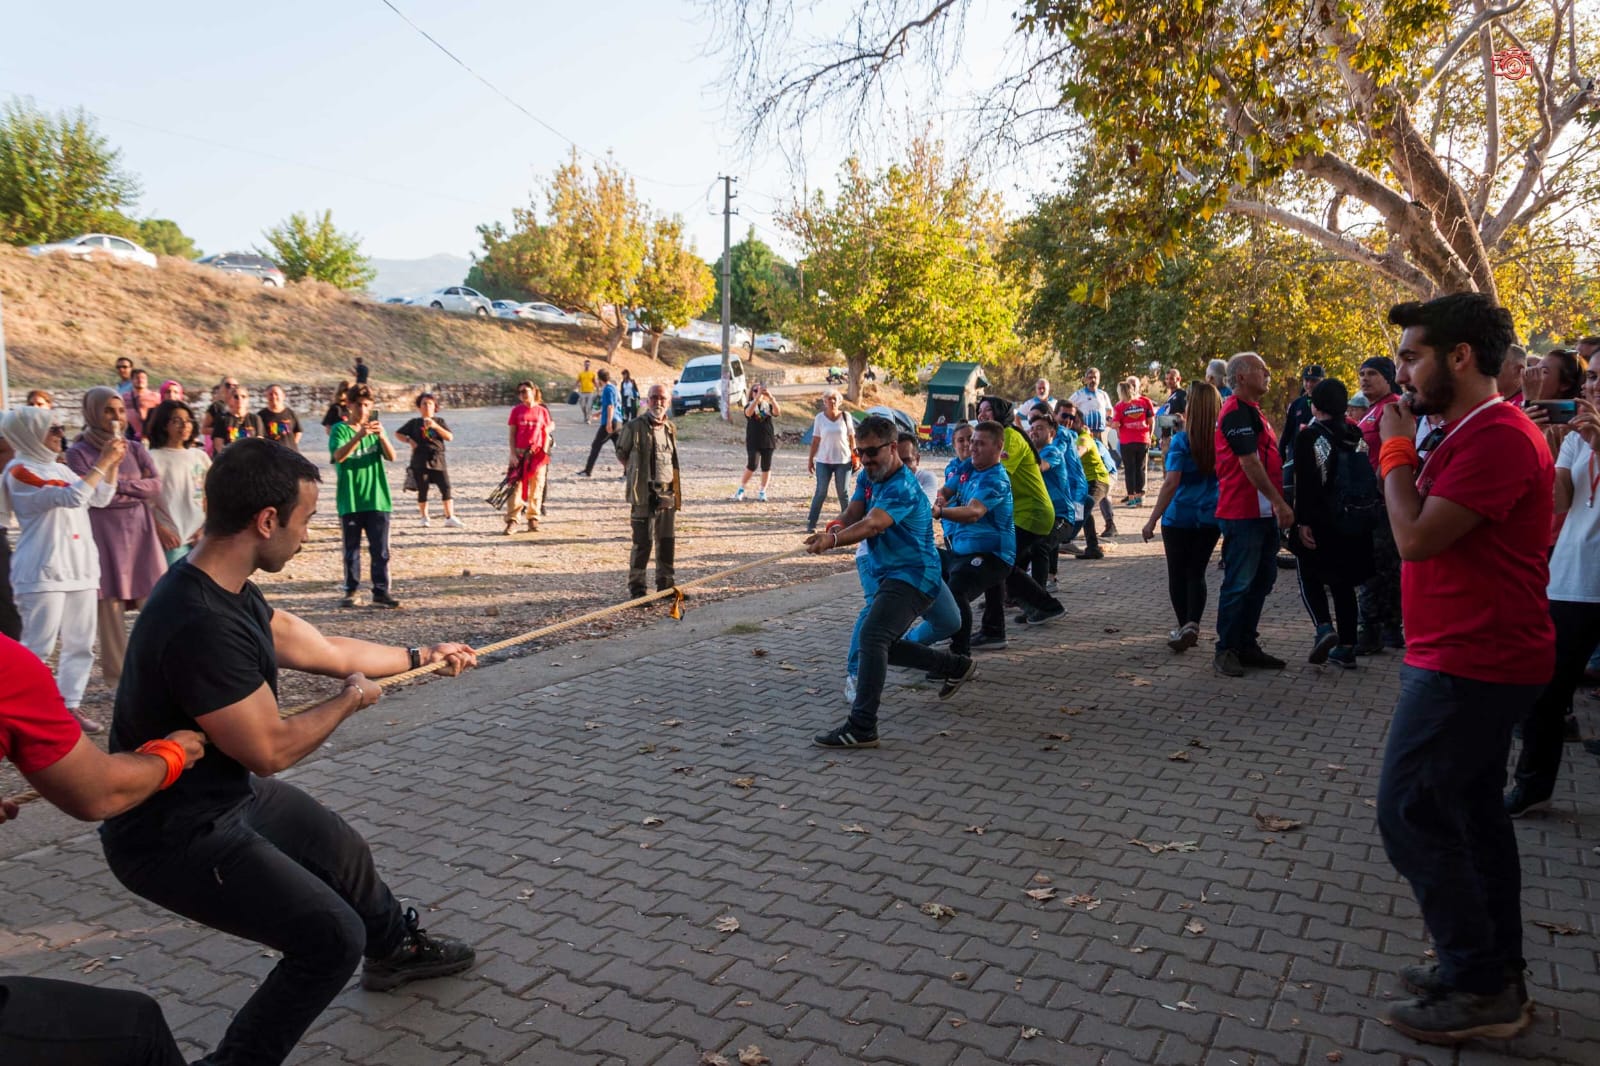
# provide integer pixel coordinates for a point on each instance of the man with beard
(648, 450)
(1472, 524)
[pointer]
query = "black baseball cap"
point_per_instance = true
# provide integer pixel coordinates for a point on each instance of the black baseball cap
(1312, 371)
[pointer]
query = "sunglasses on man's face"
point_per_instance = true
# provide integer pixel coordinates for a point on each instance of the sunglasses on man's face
(868, 451)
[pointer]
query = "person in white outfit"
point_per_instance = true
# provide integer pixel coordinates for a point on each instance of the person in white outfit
(55, 570)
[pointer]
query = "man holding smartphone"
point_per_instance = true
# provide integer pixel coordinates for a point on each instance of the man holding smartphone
(360, 448)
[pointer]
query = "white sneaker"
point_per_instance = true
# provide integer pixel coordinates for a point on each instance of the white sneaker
(850, 688)
(426, 521)
(738, 493)
(453, 522)
(761, 497)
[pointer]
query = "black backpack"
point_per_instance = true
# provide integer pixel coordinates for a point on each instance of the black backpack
(1355, 496)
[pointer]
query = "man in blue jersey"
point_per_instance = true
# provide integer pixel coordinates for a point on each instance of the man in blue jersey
(1064, 481)
(890, 512)
(976, 505)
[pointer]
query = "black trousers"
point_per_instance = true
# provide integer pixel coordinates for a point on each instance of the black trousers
(601, 437)
(1043, 563)
(58, 1023)
(1096, 495)
(1188, 554)
(1543, 731)
(660, 531)
(1019, 586)
(1135, 462)
(283, 871)
(968, 576)
(1314, 591)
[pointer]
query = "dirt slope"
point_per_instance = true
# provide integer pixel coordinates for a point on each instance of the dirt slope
(66, 322)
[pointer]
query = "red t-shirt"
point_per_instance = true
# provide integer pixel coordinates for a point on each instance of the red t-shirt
(1478, 610)
(532, 426)
(36, 729)
(1369, 428)
(1242, 431)
(1134, 418)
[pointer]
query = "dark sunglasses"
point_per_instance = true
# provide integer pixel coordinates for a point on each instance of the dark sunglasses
(1067, 416)
(870, 450)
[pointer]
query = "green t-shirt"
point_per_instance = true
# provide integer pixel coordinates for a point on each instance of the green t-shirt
(1031, 508)
(363, 482)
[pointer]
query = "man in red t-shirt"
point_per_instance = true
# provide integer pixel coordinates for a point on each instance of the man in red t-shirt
(45, 1022)
(1250, 510)
(1472, 525)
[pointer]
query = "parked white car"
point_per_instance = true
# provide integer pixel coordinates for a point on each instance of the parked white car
(506, 309)
(550, 313)
(774, 342)
(92, 244)
(699, 386)
(457, 298)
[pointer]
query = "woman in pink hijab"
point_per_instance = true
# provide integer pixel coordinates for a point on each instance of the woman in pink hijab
(173, 390)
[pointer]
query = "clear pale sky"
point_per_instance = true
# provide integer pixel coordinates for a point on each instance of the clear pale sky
(234, 115)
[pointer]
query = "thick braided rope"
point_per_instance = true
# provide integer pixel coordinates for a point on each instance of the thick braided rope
(675, 594)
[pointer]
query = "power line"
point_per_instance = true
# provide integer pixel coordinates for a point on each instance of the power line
(492, 87)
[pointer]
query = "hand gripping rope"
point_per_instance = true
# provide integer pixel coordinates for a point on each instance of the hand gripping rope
(675, 594)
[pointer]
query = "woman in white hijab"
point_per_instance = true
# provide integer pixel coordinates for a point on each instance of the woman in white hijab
(55, 570)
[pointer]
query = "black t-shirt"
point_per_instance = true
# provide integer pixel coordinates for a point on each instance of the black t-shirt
(1178, 402)
(227, 427)
(362, 370)
(333, 416)
(759, 431)
(280, 426)
(429, 454)
(196, 648)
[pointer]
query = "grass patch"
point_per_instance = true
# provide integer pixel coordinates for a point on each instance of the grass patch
(739, 629)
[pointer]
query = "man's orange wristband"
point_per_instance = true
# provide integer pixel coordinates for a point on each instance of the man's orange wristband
(1395, 453)
(169, 752)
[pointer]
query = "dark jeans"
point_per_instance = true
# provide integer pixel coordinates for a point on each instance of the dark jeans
(375, 524)
(1135, 458)
(658, 530)
(1314, 591)
(283, 871)
(1250, 567)
(1188, 554)
(601, 438)
(1064, 536)
(840, 473)
(1379, 596)
(1543, 733)
(1096, 494)
(1019, 587)
(895, 606)
(10, 620)
(1043, 563)
(968, 576)
(1444, 825)
(58, 1023)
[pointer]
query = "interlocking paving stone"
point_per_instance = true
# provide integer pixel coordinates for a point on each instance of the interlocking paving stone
(596, 932)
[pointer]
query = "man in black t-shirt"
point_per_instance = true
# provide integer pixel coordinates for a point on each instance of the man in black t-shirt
(228, 845)
(277, 421)
(428, 434)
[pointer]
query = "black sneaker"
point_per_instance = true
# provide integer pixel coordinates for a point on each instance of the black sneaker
(1424, 980)
(384, 600)
(1451, 1017)
(1092, 553)
(956, 680)
(1369, 641)
(1022, 617)
(1110, 531)
(1227, 664)
(1343, 656)
(1325, 641)
(845, 737)
(418, 956)
(1049, 614)
(1519, 803)
(984, 642)
(1260, 660)
(584, 473)
(348, 600)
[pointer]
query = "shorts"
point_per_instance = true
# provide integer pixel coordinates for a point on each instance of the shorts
(752, 453)
(424, 478)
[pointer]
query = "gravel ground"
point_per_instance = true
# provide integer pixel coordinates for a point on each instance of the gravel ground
(477, 585)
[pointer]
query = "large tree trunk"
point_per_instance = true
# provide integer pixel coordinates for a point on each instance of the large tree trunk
(614, 339)
(855, 368)
(655, 346)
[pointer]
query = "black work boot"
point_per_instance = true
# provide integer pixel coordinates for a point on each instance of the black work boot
(419, 955)
(1451, 1016)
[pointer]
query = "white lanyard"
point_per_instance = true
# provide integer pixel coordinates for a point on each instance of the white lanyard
(1468, 417)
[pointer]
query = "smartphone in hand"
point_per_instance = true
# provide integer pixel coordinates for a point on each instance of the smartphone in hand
(1559, 412)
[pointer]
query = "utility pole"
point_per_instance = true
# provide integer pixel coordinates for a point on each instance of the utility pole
(727, 293)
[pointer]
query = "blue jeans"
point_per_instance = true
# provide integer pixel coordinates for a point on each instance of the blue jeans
(894, 607)
(1250, 566)
(839, 472)
(375, 524)
(938, 621)
(1444, 825)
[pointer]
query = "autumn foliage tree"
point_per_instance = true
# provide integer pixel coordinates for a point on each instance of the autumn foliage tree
(674, 283)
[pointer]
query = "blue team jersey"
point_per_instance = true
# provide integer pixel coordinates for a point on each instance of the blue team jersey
(952, 470)
(1195, 503)
(1077, 480)
(904, 551)
(1057, 482)
(994, 533)
(608, 403)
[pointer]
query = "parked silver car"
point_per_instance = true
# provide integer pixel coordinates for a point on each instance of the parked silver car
(457, 298)
(255, 266)
(92, 244)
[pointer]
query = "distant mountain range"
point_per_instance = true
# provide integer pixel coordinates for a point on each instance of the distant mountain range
(413, 277)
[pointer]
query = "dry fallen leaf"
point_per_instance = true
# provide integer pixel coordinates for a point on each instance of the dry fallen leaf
(646, 749)
(1029, 1032)
(652, 821)
(956, 1023)
(1139, 950)
(1275, 823)
(92, 966)
(1196, 742)
(672, 722)
(752, 1056)
(1178, 756)
(1056, 736)
(1072, 711)
(976, 830)
(959, 975)
(1083, 899)
(787, 666)
(1042, 879)
(591, 725)
(854, 828)
(711, 1058)
(1171, 845)
(1334, 1056)
(1195, 926)
(726, 924)
(1184, 1004)
(1559, 928)
(1041, 894)
(759, 653)
(938, 910)
(743, 782)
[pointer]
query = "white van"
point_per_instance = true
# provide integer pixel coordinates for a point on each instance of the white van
(697, 387)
